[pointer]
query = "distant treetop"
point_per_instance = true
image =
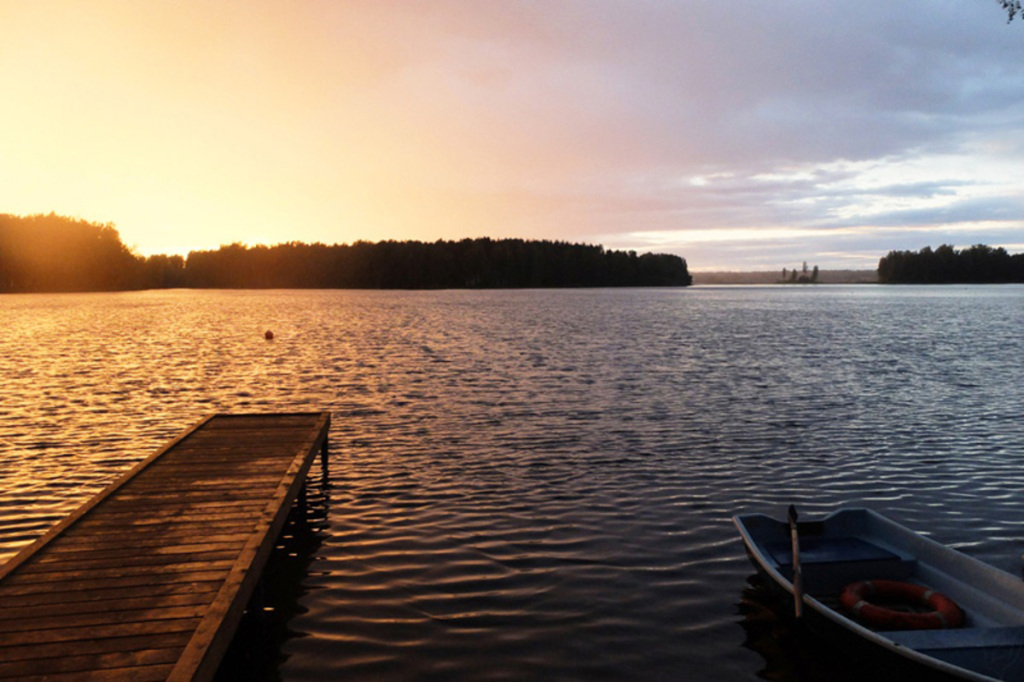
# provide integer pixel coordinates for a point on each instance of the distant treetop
(55, 253)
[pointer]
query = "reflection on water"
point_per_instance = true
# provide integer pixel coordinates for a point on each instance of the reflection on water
(538, 484)
(792, 654)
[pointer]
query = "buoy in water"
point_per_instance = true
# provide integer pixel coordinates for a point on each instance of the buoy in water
(268, 335)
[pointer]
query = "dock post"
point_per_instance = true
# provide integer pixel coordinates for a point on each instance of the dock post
(323, 457)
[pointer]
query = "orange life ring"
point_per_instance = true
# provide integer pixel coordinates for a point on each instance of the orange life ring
(944, 611)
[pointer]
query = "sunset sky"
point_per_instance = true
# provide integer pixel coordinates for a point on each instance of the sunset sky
(739, 135)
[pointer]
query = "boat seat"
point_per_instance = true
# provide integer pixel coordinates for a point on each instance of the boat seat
(830, 563)
(959, 638)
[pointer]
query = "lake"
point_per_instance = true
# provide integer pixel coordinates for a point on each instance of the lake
(538, 484)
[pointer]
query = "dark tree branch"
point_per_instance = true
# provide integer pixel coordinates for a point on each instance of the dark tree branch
(1013, 8)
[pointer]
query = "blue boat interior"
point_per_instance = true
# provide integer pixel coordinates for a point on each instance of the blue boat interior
(830, 563)
(826, 550)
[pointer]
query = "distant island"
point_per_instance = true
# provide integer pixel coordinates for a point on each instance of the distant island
(979, 264)
(50, 253)
(772, 277)
(805, 276)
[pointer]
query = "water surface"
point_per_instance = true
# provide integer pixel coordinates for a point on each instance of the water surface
(538, 484)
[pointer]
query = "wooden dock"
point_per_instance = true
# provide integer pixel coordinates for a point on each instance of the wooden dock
(149, 579)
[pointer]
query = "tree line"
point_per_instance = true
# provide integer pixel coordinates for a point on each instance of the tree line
(56, 253)
(979, 264)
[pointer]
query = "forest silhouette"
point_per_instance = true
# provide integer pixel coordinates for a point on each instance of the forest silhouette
(50, 253)
(979, 264)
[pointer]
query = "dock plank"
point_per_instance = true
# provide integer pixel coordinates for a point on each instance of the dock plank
(159, 544)
(41, 611)
(149, 579)
(154, 673)
(51, 596)
(79, 664)
(130, 553)
(63, 564)
(118, 617)
(106, 631)
(175, 640)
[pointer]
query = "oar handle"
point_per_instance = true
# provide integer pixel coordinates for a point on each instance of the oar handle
(798, 578)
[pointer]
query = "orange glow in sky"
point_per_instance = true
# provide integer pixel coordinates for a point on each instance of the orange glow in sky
(675, 126)
(190, 125)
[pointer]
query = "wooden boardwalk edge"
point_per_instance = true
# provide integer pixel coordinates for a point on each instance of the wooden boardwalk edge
(231, 490)
(32, 549)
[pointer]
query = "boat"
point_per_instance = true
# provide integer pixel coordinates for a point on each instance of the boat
(823, 572)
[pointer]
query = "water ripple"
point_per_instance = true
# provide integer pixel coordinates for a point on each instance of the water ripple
(538, 484)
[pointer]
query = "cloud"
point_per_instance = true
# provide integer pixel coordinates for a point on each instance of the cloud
(811, 128)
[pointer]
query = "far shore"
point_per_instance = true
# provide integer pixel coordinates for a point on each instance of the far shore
(775, 277)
